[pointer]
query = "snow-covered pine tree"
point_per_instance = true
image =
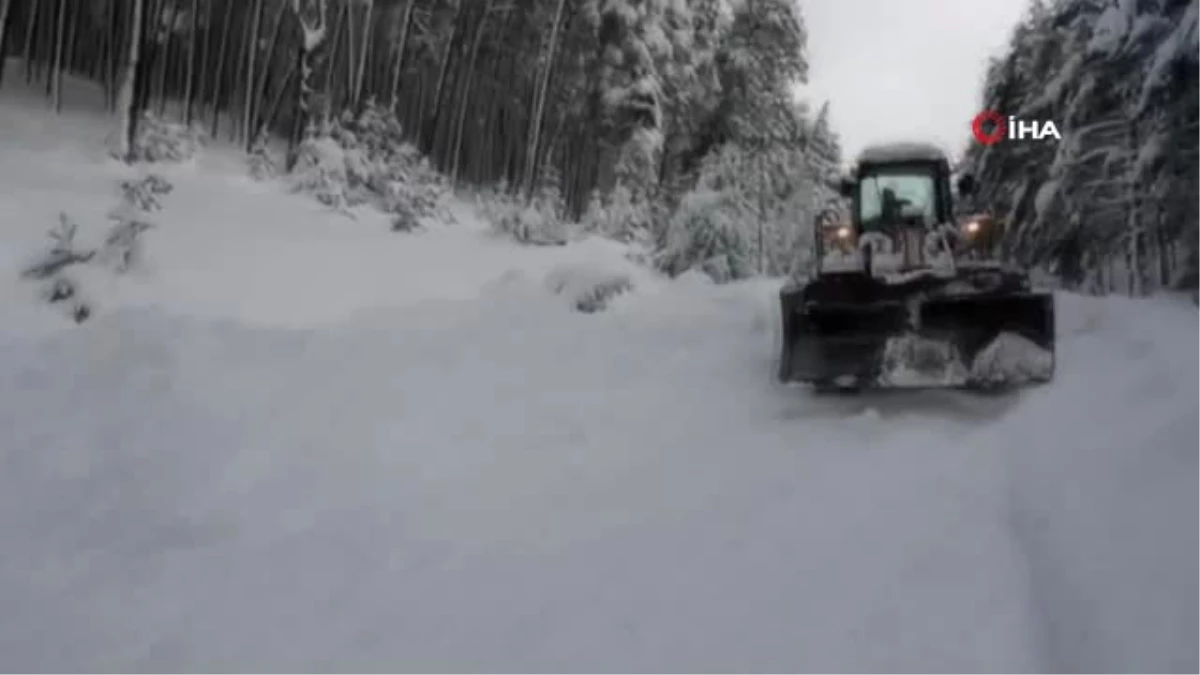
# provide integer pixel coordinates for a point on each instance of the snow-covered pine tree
(754, 185)
(310, 15)
(709, 229)
(762, 59)
(1104, 209)
(627, 101)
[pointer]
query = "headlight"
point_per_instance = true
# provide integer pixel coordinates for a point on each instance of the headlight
(839, 238)
(973, 227)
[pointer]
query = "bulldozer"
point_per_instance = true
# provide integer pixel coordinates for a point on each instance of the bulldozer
(906, 292)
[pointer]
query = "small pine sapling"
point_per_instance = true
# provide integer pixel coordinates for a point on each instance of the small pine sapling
(142, 195)
(122, 246)
(161, 140)
(261, 165)
(62, 251)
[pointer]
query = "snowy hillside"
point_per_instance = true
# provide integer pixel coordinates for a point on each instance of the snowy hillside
(294, 441)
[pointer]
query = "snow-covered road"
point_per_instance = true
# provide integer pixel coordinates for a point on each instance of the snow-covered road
(300, 443)
(503, 484)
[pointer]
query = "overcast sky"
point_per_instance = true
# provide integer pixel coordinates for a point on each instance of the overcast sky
(896, 69)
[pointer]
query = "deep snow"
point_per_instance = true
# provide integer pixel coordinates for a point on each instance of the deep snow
(293, 441)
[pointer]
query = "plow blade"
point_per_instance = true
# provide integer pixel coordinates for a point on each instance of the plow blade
(973, 341)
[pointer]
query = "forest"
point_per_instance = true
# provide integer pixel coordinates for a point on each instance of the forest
(671, 122)
(1112, 207)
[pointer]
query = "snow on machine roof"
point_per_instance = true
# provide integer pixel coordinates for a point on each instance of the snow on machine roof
(901, 152)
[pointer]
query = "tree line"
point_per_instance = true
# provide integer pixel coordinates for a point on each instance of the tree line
(625, 105)
(1113, 205)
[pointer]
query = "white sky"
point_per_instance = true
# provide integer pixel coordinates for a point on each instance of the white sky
(903, 69)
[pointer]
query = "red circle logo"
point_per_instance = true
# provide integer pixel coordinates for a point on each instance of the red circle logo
(999, 127)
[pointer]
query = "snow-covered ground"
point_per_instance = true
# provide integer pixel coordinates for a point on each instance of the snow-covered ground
(294, 441)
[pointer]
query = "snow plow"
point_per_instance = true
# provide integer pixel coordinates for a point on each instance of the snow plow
(902, 294)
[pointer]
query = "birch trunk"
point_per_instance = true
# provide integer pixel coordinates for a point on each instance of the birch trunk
(125, 97)
(348, 83)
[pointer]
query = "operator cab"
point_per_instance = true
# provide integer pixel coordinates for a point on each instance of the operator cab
(901, 184)
(901, 192)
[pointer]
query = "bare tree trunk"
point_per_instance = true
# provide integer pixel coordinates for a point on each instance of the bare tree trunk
(216, 86)
(398, 67)
(539, 106)
(414, 106)
(431, 121)
(355, 98)
(456, 141)
(112, 48)
(125, 101)
(273, 109)
(252, 62)
(96, 57)
(1164, 247)
(189, 86)
(205, 49)
(31, 25)
(5, 12)
(348, 83)
(1134, 223)
(56, 72)
(343, 19)
(149, 57)
(311, 16)
(261, 89)
(68, 63)
(162, 38)
(46, 62)
(504, 137)
(487, 132)
(298, 119)
(241, 53)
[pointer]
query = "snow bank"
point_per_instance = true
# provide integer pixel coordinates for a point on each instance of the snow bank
(1012, 359)
(587, 288)
(231, 248)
